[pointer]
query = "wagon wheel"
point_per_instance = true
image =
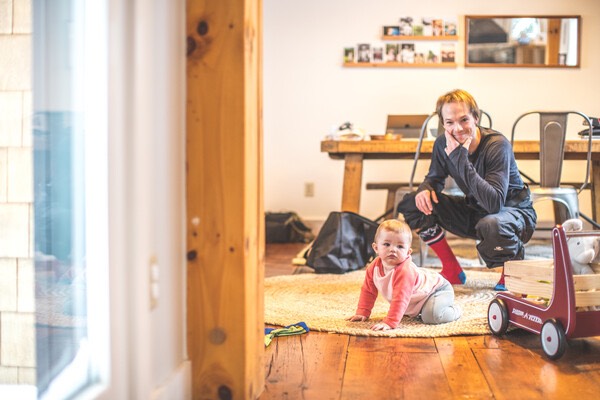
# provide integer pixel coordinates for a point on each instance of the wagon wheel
(498, 317)
(554, 341)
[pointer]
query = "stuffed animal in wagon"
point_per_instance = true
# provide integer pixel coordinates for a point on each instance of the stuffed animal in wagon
(582, 249)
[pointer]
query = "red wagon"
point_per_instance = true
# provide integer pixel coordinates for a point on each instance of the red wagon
(561, 316)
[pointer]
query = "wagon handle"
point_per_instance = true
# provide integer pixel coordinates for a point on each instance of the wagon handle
(582, 233)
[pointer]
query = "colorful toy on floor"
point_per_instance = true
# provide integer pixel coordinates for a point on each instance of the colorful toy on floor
(294, 329)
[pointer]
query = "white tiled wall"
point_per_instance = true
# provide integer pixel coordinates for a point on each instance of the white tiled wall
(17, 301)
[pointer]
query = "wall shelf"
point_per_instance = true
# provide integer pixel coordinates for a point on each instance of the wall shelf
(420, 38)
(401, 65)
(407, 51)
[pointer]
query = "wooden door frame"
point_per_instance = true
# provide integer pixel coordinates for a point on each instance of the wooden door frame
(225, 214)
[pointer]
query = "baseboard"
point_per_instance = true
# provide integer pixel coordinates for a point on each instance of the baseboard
(178, 386)
(314, 224)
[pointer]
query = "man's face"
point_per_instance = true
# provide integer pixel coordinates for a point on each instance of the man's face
(458, 122)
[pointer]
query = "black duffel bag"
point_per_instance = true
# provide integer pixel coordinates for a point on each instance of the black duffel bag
(286, 227)
(343, 244)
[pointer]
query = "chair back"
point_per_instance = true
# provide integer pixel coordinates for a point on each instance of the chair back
(552, 136)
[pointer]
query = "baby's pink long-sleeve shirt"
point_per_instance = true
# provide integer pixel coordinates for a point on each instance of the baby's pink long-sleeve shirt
(406, 287)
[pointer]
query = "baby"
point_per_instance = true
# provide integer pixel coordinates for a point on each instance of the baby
(409, 289)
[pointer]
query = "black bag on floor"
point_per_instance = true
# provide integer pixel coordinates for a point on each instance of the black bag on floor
(286, 227)
(343, 244)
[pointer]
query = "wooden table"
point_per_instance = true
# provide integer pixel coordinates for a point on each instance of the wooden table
(354, 152)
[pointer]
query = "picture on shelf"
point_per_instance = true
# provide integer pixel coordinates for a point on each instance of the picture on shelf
(391, 30)
(417, 29)
(450, 27)
(406, 26)
(377, 54)
(437, 26)
(407, 53)
(391, 52)
(448, 52)
(432, 57)
(349, 54)
(364, 53)
(427, 26)
(427, 52)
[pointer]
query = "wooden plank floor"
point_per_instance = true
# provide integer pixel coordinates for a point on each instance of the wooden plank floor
(332, 366)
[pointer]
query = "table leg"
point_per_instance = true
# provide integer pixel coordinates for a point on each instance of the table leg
(352, 182)
(595, 188)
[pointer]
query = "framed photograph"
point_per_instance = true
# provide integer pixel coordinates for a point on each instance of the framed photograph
(450, 27)
(407, 53)
(406, 26)
(427, 24)
(419, 58)
(377, 54)
(391, 52)
(433, 56)
(364, 53)
(437, 26)
(349, 54)
(417, 30)
(391, 30)
(448, 52)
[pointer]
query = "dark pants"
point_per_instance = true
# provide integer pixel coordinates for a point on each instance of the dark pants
(501, 236)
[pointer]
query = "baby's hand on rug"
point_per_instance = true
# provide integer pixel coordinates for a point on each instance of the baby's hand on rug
(381, 326)
(357, 318)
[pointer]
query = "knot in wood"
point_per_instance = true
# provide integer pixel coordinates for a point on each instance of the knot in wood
(224, 393)
(191, 255)
(202, 28)
(217, 336)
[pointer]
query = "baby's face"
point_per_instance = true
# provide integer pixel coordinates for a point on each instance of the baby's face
(393, 248)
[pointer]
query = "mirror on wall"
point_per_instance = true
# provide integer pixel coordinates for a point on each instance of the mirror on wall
(522, 41)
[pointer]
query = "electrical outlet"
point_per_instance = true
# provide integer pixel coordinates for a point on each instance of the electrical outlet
(309, 189)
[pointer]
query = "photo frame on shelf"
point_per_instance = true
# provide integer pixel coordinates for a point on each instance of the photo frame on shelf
(377, 53)
(407, 53)
(391, 30)
(450, 27)
(433, 56)
(364, 53)
(406, 26)
(437, 26)
(349, 54)
(417, 29)
(391, 52)
(448, 52)
(427, 24)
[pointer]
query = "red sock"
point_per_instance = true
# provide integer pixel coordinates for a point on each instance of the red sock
(501, 281)
(501, 286)
(451, 269)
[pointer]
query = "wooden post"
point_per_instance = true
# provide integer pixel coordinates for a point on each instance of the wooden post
(225, 239)
(552, 49)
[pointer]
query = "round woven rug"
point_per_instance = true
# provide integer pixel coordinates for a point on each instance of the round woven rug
(323, 301)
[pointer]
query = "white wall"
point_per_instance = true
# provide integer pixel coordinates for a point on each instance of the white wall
(306, 89)
(147, 200)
